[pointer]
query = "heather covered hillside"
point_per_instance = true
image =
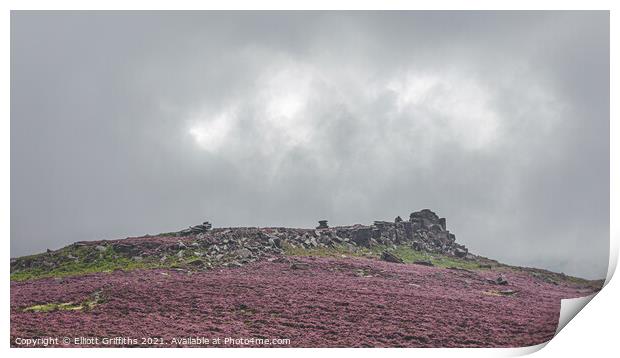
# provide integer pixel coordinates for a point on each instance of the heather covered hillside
(399, 283)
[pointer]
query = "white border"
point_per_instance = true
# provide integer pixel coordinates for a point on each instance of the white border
(593, 328)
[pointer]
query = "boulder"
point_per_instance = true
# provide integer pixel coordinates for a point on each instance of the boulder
(460, 252)
(322, 224)
(124, 248)
(423, 262)
(390, 257)
(362, 236)
(243, 253)
(424, 214)
(275, 241)
(442, 223)
(501, 281)
(435, 228)
(299, 266)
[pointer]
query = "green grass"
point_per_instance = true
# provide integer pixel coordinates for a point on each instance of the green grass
(108, 261)
(405, 252)
(410, 255)
(80, 268)
(80, 260)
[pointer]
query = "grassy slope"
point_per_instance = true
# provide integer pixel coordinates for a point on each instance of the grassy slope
(410, 255)
(108, 261)
(406, 253)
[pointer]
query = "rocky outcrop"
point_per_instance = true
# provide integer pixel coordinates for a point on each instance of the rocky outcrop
(205, 246)
(322, 224)
(194, 230)
(390, 257)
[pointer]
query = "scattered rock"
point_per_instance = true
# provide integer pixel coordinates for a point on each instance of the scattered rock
(389, 257)
(299, 266)
(423, 262)
(243, 253)
(313, 242)
(336, 239)
(500, 280)
(460, 252)
(275, 241)
(196, 262)
(424, 231)
(123, 248)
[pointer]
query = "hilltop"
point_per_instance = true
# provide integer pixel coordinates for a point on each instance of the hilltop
(391, 283)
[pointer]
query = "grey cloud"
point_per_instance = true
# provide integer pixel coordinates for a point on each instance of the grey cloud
(126, 123)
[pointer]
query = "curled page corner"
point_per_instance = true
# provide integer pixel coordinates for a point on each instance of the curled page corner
(523, 351)
(613, 259)
(569, 309)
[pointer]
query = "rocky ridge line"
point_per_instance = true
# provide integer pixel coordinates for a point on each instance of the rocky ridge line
(203, 246)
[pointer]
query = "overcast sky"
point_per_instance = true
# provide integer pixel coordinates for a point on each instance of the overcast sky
(130, 123)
